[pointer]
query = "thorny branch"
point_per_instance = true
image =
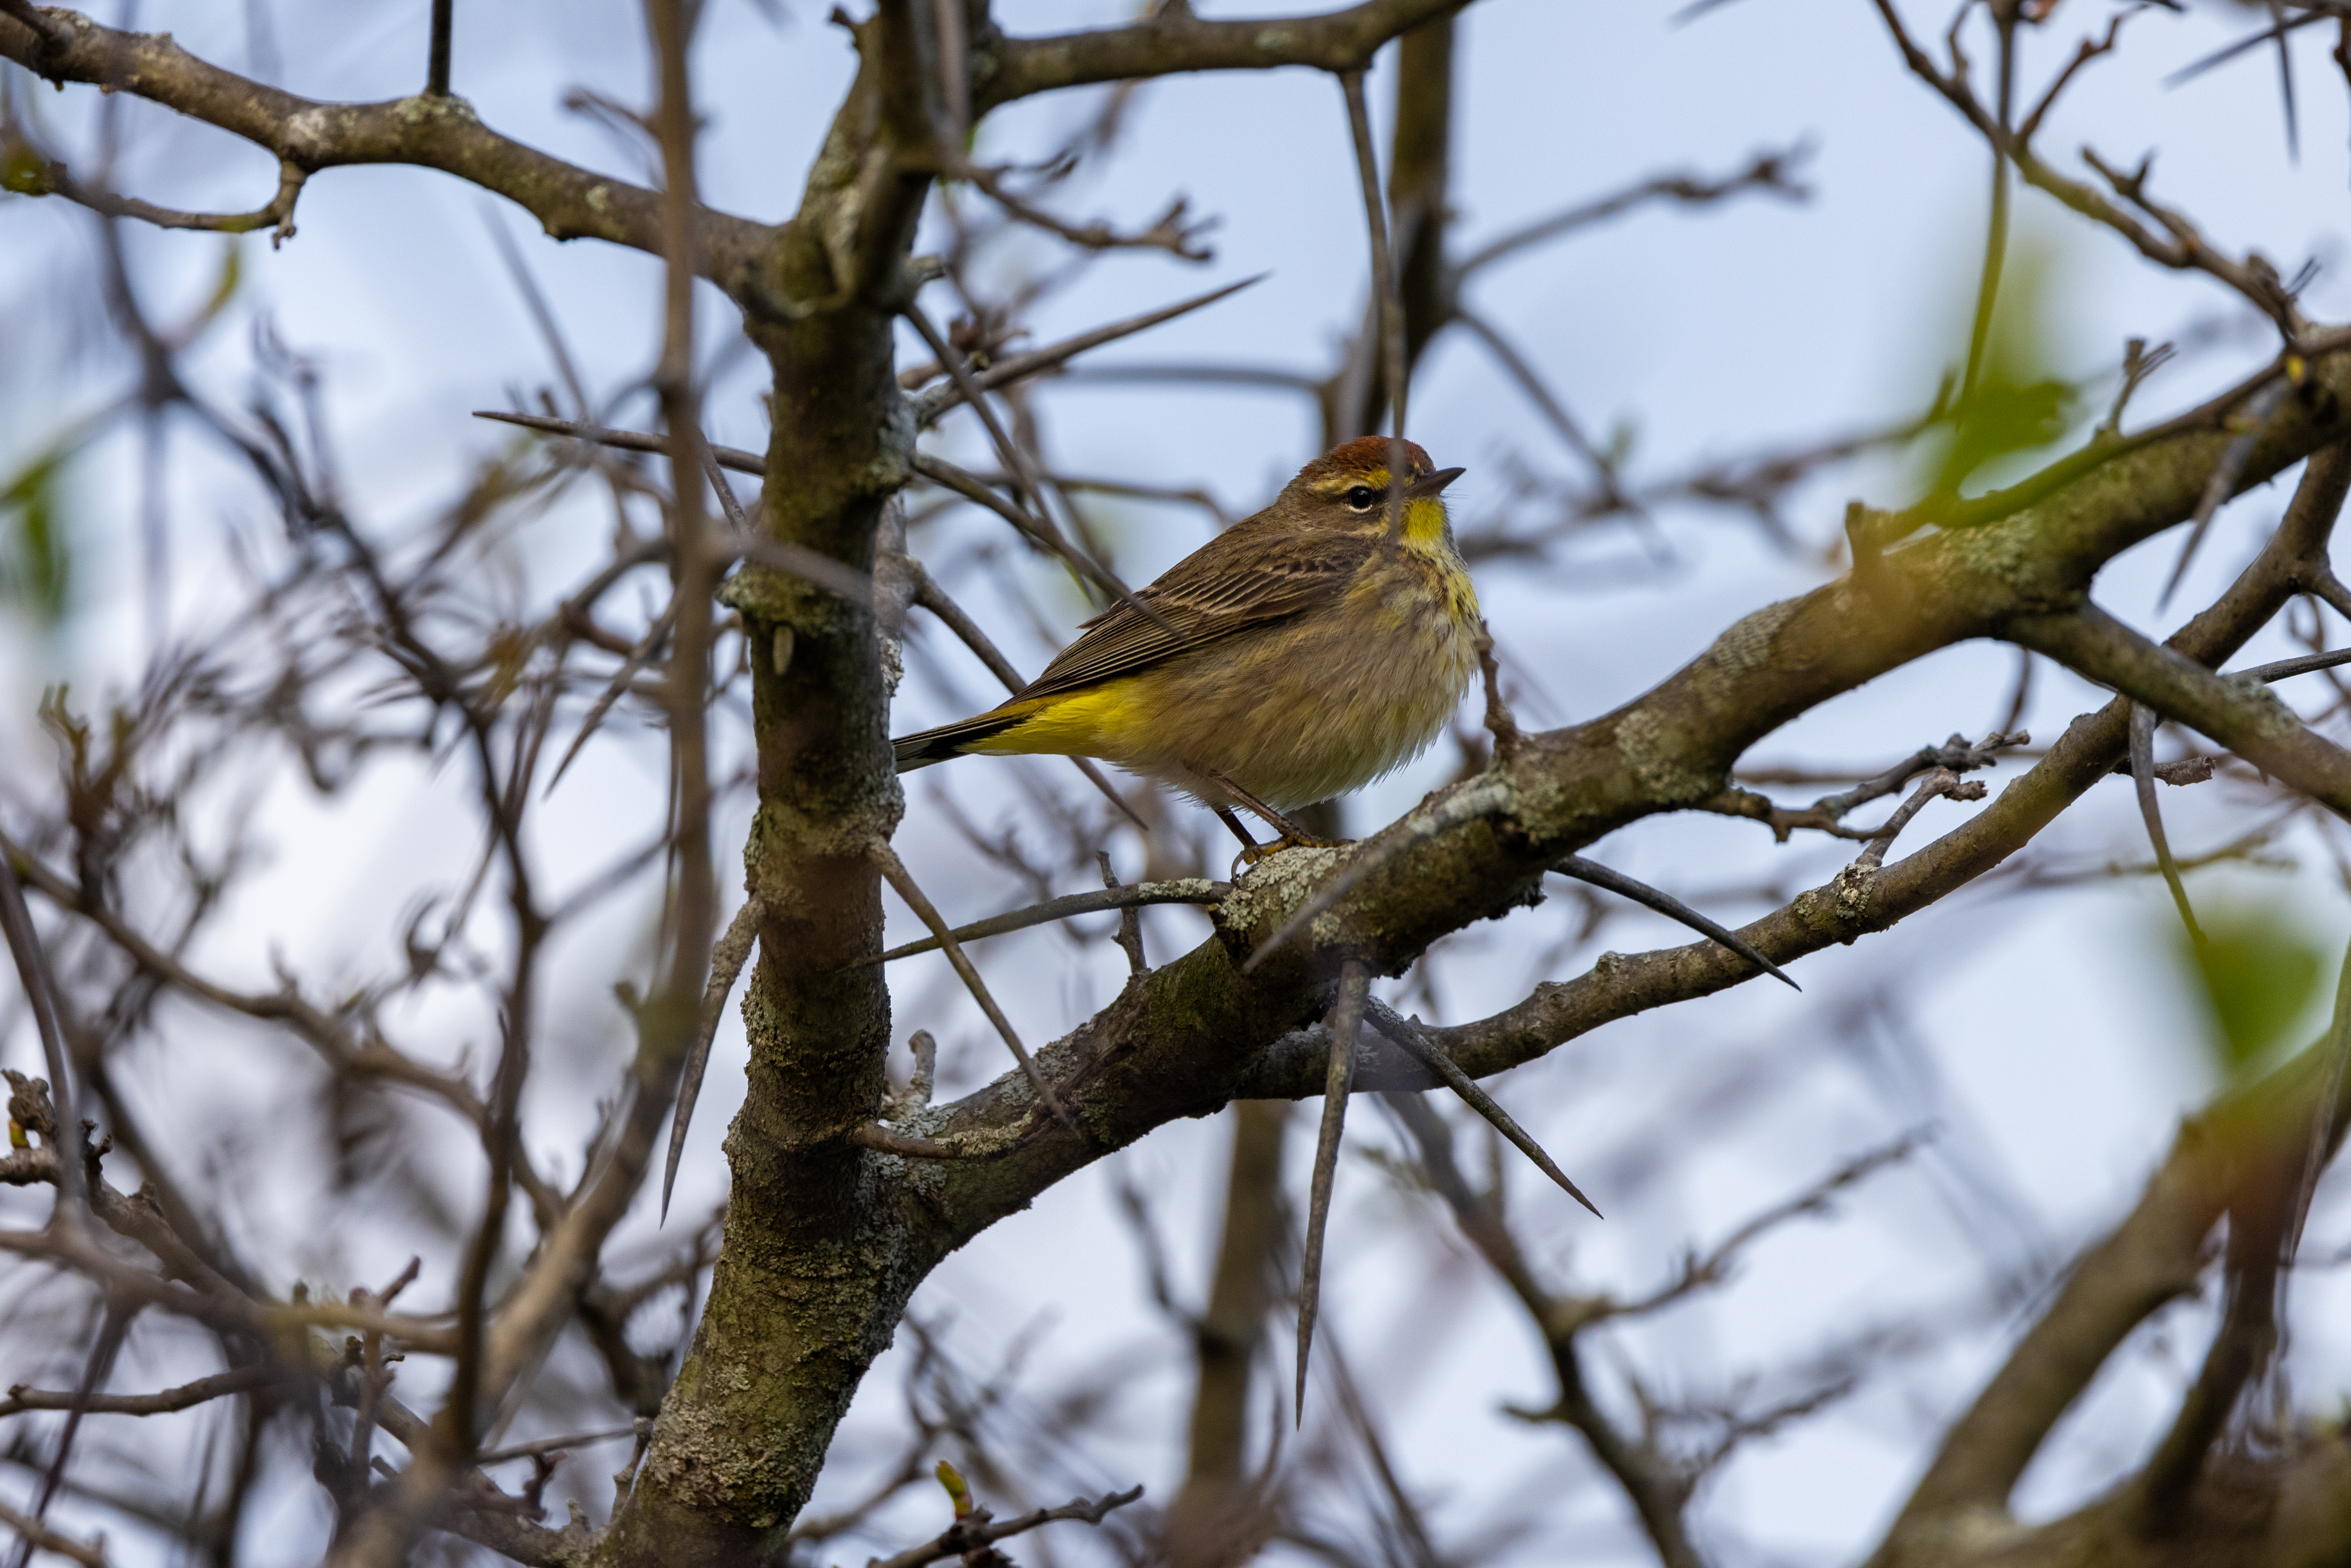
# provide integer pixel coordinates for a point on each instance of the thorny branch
(1231, 1018)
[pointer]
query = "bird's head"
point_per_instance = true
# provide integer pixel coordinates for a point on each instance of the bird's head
(1346, 489)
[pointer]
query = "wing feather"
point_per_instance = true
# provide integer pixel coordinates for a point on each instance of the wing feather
(1243, 577)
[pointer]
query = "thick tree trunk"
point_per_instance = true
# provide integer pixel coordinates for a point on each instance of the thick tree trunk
(818, 1256)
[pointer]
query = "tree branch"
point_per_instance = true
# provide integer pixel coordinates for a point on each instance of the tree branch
(427, 131)
(2241, 713)
(1192, 1034)
(2154, 1256)
(1179, 41)
(239, 1380)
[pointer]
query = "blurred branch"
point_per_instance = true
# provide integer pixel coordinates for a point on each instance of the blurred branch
(733, 457)
(1346, 1020)
(1936, 784)
(974, 1532)
(1395, 367)
(1650, 1479)
(48, 177)
(1420, 180)
(1700, 1271)
(2153, 1257)
(726, 961)
(2270, 1184)
(36, 1534)
(933, 598)
(1771, 171)
(238, 1379)
(203, 1293)
(1170, 232)
(669, 1025)
(1217, 1511)
(367, 1056)
(39, 987)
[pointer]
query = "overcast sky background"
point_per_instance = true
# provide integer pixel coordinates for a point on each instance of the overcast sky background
(2048, 1036)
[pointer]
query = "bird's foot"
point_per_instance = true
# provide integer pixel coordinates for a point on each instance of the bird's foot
(1292, 837)
(1291, 840)
(1298, 841)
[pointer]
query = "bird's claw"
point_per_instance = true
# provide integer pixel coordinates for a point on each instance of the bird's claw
(1293, 840)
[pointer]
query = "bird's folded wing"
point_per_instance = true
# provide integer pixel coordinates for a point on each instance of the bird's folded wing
(1203, 599)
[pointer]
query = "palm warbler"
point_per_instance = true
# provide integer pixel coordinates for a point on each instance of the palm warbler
(1301, 653)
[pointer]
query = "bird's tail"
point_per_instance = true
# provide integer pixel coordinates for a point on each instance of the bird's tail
(951, 739)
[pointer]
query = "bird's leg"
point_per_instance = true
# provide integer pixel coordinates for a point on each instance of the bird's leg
(1250, 850)
(1293, 835)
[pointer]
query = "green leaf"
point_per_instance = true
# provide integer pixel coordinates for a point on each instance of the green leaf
(21, 169)
(2019, 404)
(35, 564)
(2256, 973)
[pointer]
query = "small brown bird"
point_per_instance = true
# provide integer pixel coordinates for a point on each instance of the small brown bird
(1301, 653)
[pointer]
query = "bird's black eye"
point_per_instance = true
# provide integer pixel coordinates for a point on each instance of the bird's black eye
(1362, 498)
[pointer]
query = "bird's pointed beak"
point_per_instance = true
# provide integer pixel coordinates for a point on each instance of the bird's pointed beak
(1433, 482)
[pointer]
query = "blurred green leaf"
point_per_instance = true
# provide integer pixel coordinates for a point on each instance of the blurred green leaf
(2256, 972)
(2020, 404)
(21, 169)
(36, 565)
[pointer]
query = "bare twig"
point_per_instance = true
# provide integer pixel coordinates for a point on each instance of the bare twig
(238, 1379)
(427, 131)
(539, 1445)
(974, 1532)
(1768, 171)
(933, 598)
(55, 179)
(2259, 410)
(1016, 459)
(1169, 232)
(1673, 908)
(1346, 1022)
(1183, 890)
(34, 1533)
(2142, 767)
(726, 960)
(894, 872)
(1018, 367)
(1956, 755)
(48, 1019)
(1394, 370)
(1938, 783)
(1407, 1033)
